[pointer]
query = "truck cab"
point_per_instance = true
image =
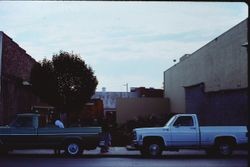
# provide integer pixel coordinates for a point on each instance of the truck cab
(22, 131)
(25, 121)
(184, 130)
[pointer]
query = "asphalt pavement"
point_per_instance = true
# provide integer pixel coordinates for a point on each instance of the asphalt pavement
(120, 157)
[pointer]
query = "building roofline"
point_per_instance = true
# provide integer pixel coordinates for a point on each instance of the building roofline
(190, 55)
(5, 35)
(215, 39)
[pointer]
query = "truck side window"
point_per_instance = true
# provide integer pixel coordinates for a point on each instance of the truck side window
(184, 121)
(23, 122)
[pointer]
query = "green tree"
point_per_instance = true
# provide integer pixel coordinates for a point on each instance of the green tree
(65, 82)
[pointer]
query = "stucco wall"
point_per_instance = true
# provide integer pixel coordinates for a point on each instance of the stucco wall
(220, 65)
(128, 109)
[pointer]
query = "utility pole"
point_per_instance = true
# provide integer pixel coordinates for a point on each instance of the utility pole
(126, 88)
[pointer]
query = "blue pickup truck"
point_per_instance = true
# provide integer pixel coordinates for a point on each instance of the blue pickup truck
(182, 131)
(25, 132)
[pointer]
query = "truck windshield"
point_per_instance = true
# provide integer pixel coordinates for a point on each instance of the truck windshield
(171, 120)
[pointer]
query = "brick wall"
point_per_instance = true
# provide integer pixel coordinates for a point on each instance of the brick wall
(16, 67)
(15, 61)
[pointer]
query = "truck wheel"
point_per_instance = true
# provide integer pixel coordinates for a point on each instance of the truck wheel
(73, 149)
(224, 148)
(154, 150)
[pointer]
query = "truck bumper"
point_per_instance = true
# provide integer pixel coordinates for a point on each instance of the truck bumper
(134, 146)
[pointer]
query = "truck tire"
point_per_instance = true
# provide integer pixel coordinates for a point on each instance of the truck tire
(153, 150)
(73, 149)
(224, 148)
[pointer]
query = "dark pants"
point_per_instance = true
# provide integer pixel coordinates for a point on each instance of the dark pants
(106, 137)
(57, 151)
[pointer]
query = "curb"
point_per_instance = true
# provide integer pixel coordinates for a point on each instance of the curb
(117, 151)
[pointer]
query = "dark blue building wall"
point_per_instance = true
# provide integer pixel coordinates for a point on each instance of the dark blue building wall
(227, 107)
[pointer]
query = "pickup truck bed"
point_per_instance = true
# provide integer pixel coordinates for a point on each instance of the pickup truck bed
(208, 134)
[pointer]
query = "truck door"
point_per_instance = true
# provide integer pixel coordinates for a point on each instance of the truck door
(184, 133)
(23, 133)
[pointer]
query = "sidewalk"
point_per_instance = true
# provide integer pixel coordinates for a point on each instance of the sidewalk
(112, 151)
(116, 151)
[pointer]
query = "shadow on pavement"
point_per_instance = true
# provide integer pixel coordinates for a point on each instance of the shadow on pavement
(175, 156)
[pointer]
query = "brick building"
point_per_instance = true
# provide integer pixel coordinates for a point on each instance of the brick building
(15, 67)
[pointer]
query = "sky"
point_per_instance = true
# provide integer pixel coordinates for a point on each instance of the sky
(124, 42)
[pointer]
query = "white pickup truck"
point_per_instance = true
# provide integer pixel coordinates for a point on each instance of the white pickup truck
(182, 131)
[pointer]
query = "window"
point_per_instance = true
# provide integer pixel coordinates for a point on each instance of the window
(184, 121)
(23, 122)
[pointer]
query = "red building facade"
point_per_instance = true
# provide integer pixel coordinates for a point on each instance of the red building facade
(15, 93)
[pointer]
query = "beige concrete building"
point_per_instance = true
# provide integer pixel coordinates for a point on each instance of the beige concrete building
(130, 108)
(218, 70)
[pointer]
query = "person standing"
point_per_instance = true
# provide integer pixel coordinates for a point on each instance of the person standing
(59, 123)
(105, 137)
